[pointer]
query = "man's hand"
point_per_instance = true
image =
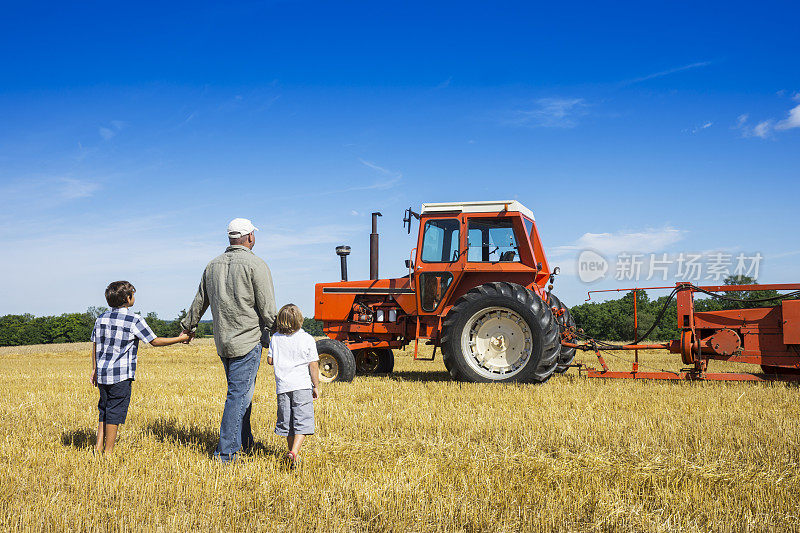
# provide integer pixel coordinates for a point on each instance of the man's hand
(93, 379)
(315, 392)
(189, 336)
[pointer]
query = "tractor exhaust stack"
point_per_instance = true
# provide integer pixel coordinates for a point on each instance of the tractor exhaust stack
(343, 251)
(373, 247)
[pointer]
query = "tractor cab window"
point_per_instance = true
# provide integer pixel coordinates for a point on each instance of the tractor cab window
(440, 243)
(492, 241)
(529, 228)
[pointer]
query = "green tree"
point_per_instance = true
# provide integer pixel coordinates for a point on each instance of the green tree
(313, 327)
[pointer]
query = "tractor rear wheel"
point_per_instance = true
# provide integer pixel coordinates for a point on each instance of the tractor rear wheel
(500, 332)
(374, 361)
(336, 361)
(565, 322)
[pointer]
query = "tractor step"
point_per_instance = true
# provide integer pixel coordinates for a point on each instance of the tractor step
(416, 349)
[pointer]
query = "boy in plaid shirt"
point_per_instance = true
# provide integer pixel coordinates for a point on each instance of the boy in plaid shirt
(115, 341)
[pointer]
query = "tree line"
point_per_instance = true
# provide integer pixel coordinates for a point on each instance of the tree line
(612, 320)
(26, 329)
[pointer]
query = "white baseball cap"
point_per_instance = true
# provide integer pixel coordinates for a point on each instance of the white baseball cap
(239, 227)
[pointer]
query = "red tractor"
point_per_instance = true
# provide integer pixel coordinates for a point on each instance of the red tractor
(475, 289)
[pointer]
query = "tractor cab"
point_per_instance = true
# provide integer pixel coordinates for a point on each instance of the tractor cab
(466, 241)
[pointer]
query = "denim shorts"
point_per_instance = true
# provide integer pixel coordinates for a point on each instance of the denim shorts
(114, 400)
(295, 413)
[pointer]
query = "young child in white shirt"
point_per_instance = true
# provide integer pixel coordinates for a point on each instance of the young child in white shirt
(293, 352)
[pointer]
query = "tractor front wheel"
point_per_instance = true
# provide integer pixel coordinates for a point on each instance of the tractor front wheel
(336, 361)
(501, 332)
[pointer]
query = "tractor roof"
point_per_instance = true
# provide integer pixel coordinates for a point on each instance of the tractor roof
(477, 207)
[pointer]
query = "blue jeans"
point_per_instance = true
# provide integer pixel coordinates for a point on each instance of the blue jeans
(234, 431)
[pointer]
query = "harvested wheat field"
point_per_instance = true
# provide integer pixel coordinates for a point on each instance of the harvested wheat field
(409, 452)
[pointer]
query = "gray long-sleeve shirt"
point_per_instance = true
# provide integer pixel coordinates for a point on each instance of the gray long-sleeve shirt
(237, 286)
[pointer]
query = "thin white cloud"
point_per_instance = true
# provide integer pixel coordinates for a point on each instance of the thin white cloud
(550, 113)
(115, 126)
(38, 194)
(378, 185)
(389, 179)
(668, 72)
(783, 254)
(373, 166)
(284, 242)
(792, 121)
(392, 178)
(445, 84)
(72, 189)
(762, 129)
(649, 240)
(702, 127)
(741, 120)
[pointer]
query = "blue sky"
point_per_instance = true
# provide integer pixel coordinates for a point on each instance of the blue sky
(131, 134)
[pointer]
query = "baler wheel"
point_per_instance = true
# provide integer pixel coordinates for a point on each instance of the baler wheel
(367, 361)
(500, 332)
(387, 361)
(565, 321)
(374, 361)
(780, 370)
(336, 361)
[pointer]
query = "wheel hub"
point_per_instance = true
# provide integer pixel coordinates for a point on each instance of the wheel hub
(367, 361)
(328, 368)
(498, 341)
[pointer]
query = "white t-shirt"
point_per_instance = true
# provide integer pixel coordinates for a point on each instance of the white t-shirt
(290, 356)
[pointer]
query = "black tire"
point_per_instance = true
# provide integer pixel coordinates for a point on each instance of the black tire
(371, 361)
(387, 361)
(345, 369)
(780, 370)
(565, 321)
(537, 365)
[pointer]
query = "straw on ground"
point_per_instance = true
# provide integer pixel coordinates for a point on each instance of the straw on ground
(409, 452)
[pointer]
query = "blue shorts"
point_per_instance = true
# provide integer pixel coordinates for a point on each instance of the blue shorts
(295, 413)
(114, 400)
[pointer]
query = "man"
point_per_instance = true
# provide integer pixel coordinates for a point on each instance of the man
(238, 287)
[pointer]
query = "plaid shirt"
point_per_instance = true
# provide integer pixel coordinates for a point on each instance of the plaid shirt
(117, 333)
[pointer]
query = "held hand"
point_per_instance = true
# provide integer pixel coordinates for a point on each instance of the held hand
(188, 336)
(315, 392)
